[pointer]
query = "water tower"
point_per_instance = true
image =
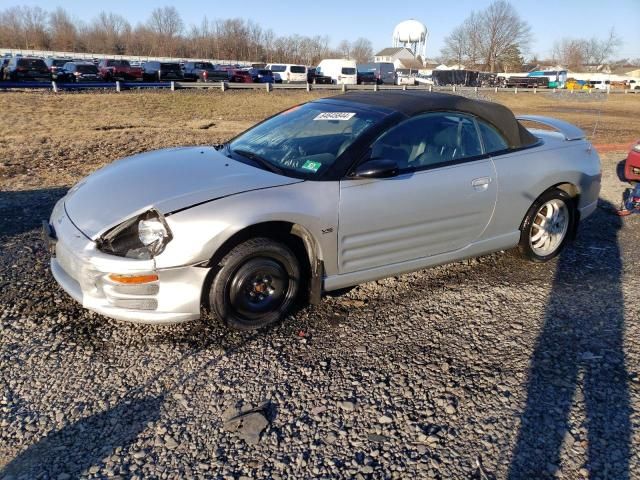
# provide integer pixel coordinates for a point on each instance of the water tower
(413, 35)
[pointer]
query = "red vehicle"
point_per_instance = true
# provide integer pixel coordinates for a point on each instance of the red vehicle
(241, 76)
(112, 70)
(632, 164)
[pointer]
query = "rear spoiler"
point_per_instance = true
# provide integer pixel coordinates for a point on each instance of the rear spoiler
(570, 132)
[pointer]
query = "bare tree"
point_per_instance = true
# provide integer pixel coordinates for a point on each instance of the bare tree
(167, 25)
(571, 52)
(455, 45)
(577, 52)
(502, 28)
(107, 33)
(63, 31)
(601, 50)
(488, 36)
(344, 49)
(362, 50)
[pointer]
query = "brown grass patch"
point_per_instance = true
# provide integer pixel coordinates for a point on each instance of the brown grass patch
(56, 139)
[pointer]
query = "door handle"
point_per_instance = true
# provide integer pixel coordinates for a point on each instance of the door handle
(481, 184)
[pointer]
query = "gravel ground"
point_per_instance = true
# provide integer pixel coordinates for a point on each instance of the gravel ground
(489, 368)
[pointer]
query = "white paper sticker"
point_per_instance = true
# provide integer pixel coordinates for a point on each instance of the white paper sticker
(335, 116)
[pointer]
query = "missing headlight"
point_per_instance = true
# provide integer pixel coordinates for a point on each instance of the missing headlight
(142, 237)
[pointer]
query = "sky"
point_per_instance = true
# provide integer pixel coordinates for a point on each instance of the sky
(550, 20)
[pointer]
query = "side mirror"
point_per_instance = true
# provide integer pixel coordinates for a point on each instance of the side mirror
(378, 168)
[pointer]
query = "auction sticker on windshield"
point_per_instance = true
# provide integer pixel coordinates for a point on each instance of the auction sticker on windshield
(335, 116)
(311, 165)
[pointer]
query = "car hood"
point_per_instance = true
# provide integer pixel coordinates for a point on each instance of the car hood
(166, 180)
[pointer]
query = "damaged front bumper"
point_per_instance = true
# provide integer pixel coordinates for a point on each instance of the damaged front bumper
(86, 273)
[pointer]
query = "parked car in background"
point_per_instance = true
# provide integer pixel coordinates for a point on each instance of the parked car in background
(240, 76)
(405, 77)
(158, 71)
(54, 63)
(204, 72)
(314, 77)
(27, 69)
(632, 164)
(289, 73)
(77, 72)
(112, 70)
(340, 70)
(262, 75)
(366, 77)
(385, 72)
(424, 79)
(327, 195)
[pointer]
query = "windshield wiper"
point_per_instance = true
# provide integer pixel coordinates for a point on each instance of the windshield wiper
(258, 159)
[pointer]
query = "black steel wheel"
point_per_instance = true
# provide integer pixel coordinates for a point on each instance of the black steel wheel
(256, 284)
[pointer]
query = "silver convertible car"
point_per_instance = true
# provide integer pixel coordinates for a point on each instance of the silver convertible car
(318, 198)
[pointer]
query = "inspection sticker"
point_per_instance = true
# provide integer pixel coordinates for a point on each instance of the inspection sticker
(334, 116)
(311, 165)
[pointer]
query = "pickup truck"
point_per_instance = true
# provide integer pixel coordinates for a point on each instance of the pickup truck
(204, 72)
(112, 70)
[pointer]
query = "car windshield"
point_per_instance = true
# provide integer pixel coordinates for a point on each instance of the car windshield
(303, 141)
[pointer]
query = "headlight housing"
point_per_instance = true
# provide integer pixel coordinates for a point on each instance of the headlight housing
(142, 237)
(636, 147)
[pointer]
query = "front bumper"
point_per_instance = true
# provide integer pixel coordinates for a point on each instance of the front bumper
(83, 272)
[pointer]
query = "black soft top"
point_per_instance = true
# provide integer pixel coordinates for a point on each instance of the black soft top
(412, 103)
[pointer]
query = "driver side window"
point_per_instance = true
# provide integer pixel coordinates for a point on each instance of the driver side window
(429, 140)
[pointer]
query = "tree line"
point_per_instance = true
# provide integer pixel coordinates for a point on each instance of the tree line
(165, 34)
(496, 38)
(493, 39)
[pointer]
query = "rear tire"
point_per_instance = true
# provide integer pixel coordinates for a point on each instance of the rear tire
(547, 226)
(256, 285)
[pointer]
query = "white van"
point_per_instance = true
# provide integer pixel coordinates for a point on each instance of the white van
(340, 70)
(289, 73)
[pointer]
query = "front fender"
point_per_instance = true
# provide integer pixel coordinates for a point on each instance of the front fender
(198, 232)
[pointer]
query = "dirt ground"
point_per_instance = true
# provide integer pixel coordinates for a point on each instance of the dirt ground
(55, 139)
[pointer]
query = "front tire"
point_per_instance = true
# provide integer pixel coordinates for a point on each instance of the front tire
(256, 285)
(547, 226)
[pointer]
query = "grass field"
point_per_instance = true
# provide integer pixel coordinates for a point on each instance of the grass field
(56, 139)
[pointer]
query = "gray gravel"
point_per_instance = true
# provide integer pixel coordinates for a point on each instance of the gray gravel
(488, 368)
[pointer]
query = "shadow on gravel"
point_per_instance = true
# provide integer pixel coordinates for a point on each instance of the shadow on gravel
(80, 445)
(579, 357)
(23, 211)
(89, 441)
